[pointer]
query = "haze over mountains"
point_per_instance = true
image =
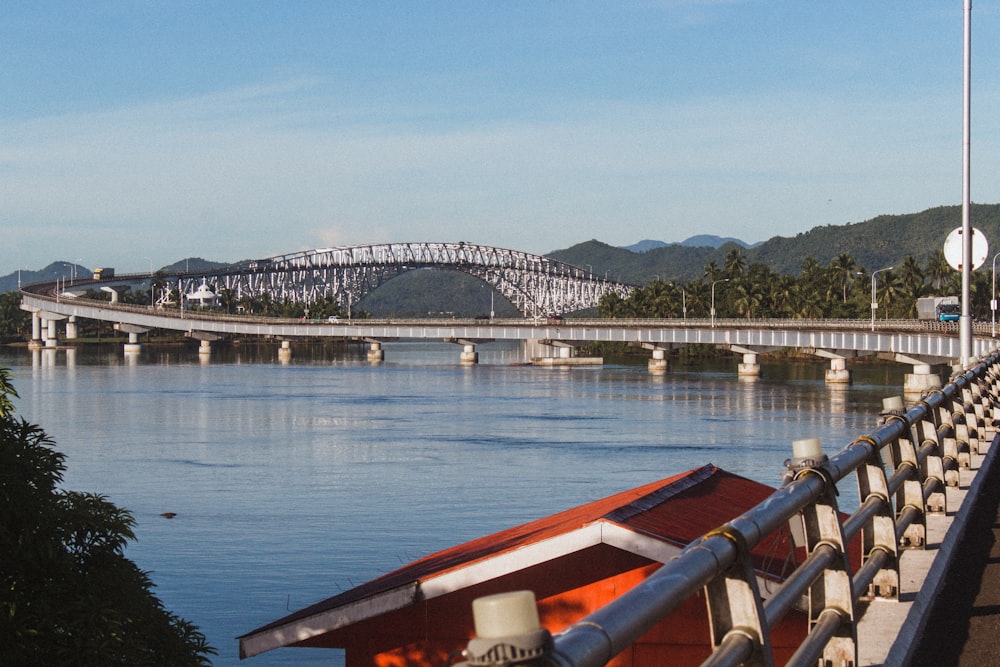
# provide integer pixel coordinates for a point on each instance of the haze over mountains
(699, 241)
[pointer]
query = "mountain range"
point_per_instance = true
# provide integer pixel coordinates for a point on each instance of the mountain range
(877, 243)
(698, 241)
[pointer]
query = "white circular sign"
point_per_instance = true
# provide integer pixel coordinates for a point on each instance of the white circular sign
(953, 249)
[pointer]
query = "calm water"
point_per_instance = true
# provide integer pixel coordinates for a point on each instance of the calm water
(292, 482)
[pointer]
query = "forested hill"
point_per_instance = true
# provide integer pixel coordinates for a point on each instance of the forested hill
(876, 243)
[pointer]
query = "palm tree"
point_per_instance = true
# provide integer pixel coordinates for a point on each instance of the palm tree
(911, 278)
(891, 288)
(782, 296)
(712, 272)
(735, 264)
(844, 268)
(749, 296)
(938, 270)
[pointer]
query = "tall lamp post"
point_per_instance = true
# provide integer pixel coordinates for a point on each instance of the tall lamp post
(151, 304)
(993, 298)
(874, 300)
(722, 280)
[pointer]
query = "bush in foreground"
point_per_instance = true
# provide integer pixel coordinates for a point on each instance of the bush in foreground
(68, 595)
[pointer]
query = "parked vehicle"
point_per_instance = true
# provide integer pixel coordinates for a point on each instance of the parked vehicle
(939, 308)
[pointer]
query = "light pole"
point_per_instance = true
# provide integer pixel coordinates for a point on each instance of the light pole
(874, 301)
(684, 303)
(993, 298)
(150, 282)
(721, 280)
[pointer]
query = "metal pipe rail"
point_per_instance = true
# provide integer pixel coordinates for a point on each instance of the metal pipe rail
(891, 516)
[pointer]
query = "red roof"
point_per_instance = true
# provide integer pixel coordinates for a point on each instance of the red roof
(654, 521)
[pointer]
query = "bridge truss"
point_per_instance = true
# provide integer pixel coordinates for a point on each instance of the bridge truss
(534, 284)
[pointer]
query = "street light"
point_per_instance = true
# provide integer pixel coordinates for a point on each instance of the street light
(874, 301)
(722, 280)
(150, 282)
(993, 297)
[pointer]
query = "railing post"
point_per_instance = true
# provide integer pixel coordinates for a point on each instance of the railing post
(833, 589)
(927, 432)
(964, 436)
(879, 534)
(735, 606)
(910, 493)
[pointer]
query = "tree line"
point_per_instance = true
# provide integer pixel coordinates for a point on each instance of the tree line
(840, 290)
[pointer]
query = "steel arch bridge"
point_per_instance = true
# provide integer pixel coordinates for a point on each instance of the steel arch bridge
(534, 284)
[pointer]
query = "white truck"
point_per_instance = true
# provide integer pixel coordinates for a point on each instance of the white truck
(939, 308)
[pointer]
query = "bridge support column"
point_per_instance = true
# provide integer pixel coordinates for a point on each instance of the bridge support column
(36, 332)
(71, 330)
(133, 346)
(52, 339)
(921, 380)
(133, 330)
(205, 347)
(285, 351)
(375, 353)
(838, 372)
(469, 355)
(749, 368)
(658, 363)
(565, 356)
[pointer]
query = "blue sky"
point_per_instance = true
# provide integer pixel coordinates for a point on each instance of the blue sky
(134, 133)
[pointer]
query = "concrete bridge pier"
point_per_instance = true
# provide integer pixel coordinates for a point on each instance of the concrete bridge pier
(285, 351)
(838, 372)
(565, 355)
(37, 324)
(48, 326)
(133, 346)
(71, 329)
(921, 379)
(206, 339)
(749, 368)
(52, 337)
(469, 354)
(375, 353)
(658, 363)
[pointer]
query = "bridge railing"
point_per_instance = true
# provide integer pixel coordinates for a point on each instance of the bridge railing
(923, 447)
(44, 292)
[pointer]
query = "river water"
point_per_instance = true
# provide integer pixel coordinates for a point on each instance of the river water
(292, 482)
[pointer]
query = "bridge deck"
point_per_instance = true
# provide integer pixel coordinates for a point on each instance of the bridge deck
(923, 574)
(963, 624)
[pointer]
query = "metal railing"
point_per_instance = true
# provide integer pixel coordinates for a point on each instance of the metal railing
(44, 291)
(902, 470)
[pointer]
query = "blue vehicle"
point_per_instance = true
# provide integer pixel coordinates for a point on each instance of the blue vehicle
(948, 312)
(939, 308)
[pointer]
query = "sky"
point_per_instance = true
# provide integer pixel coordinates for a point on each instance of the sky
(135, 134)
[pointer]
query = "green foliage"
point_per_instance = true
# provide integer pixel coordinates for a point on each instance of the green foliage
(68, 595)
(15, 323)
(873, 244)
